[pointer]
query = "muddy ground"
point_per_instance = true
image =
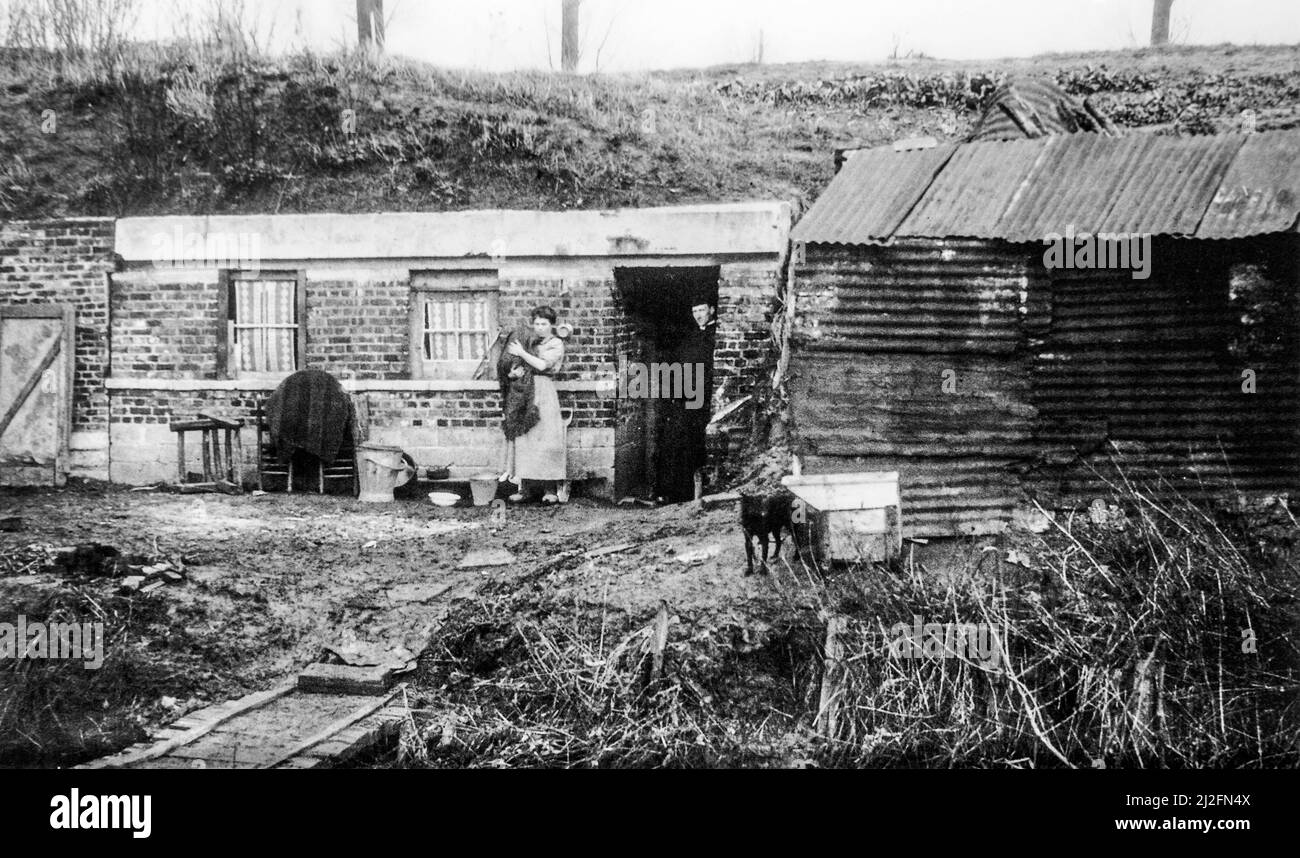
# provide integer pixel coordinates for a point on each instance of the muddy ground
(272, 581)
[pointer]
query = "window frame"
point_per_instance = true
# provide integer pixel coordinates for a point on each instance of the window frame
(226, 323)
(444, 282)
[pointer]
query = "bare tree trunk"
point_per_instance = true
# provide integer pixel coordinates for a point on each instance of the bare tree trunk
(370, 24)
(570, 49)
(1160, 22)
(364, 34)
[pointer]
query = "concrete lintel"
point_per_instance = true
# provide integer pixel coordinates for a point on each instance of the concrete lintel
(166, 275)
(731, 228)
(351, 385)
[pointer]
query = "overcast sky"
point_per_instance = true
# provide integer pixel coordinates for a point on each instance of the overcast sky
(652, 34)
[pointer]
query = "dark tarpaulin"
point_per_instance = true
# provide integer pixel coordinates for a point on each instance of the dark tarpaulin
(1035, 107)
(309, 411)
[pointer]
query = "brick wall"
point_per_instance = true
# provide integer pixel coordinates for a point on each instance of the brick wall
(587, 304)
(165, 329)
(475, 408)
(359, 327)
(66, 262)
(744, 356)
(354, 328)
(401, 409)
(144, 449)
(160, 407)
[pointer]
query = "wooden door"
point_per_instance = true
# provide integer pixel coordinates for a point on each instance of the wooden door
(36, 361)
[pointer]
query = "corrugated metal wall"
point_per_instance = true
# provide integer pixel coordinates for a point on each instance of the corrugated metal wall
(1052, 374)
(1155, 367)
(911, 358)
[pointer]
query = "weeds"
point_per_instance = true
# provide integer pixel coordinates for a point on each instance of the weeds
(212, 123)
(541, 693)
(19, 187)
(1147, 633)
(58, 711)
(1143, 633)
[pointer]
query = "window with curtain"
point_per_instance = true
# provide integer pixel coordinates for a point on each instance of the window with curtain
(455, 326)
(453, 321)
(265, 329)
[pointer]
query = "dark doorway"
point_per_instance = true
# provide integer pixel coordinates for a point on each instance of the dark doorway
(660, 436)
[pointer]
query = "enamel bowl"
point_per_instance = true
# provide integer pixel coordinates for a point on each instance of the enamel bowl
(444, 498)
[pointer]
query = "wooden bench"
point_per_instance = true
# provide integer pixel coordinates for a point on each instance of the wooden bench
(222, 464)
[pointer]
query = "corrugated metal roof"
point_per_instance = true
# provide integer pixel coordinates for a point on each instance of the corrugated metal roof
(871, 195)
(1136, 184)
(1261, 192)
(973, 191)
(1225, 186)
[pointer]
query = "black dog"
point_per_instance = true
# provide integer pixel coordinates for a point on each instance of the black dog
(761, 515)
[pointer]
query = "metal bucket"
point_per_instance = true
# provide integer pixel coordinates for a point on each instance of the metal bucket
(484, 488)
(381, 469)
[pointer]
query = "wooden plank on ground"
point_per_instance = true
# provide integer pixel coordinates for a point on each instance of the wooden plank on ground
(336, 727)
(832, 670)
(323, 678)
(224, 714)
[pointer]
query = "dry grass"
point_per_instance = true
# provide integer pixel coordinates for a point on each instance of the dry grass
(1145, 633)
(539, 693)
(59, 711)
(1122, 632)
(213, 125)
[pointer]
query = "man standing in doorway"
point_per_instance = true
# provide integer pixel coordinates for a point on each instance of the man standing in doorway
(682, 447)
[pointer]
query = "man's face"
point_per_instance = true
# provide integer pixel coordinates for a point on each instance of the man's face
(701, 314)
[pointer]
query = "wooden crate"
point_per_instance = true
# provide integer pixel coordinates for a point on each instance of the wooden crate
(851, 517)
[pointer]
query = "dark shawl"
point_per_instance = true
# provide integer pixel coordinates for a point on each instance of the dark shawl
(518, 409)
(309, 411)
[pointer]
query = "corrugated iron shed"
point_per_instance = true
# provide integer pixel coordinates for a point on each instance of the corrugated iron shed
(1225, 186)
(875, 332)
(1057, 377)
